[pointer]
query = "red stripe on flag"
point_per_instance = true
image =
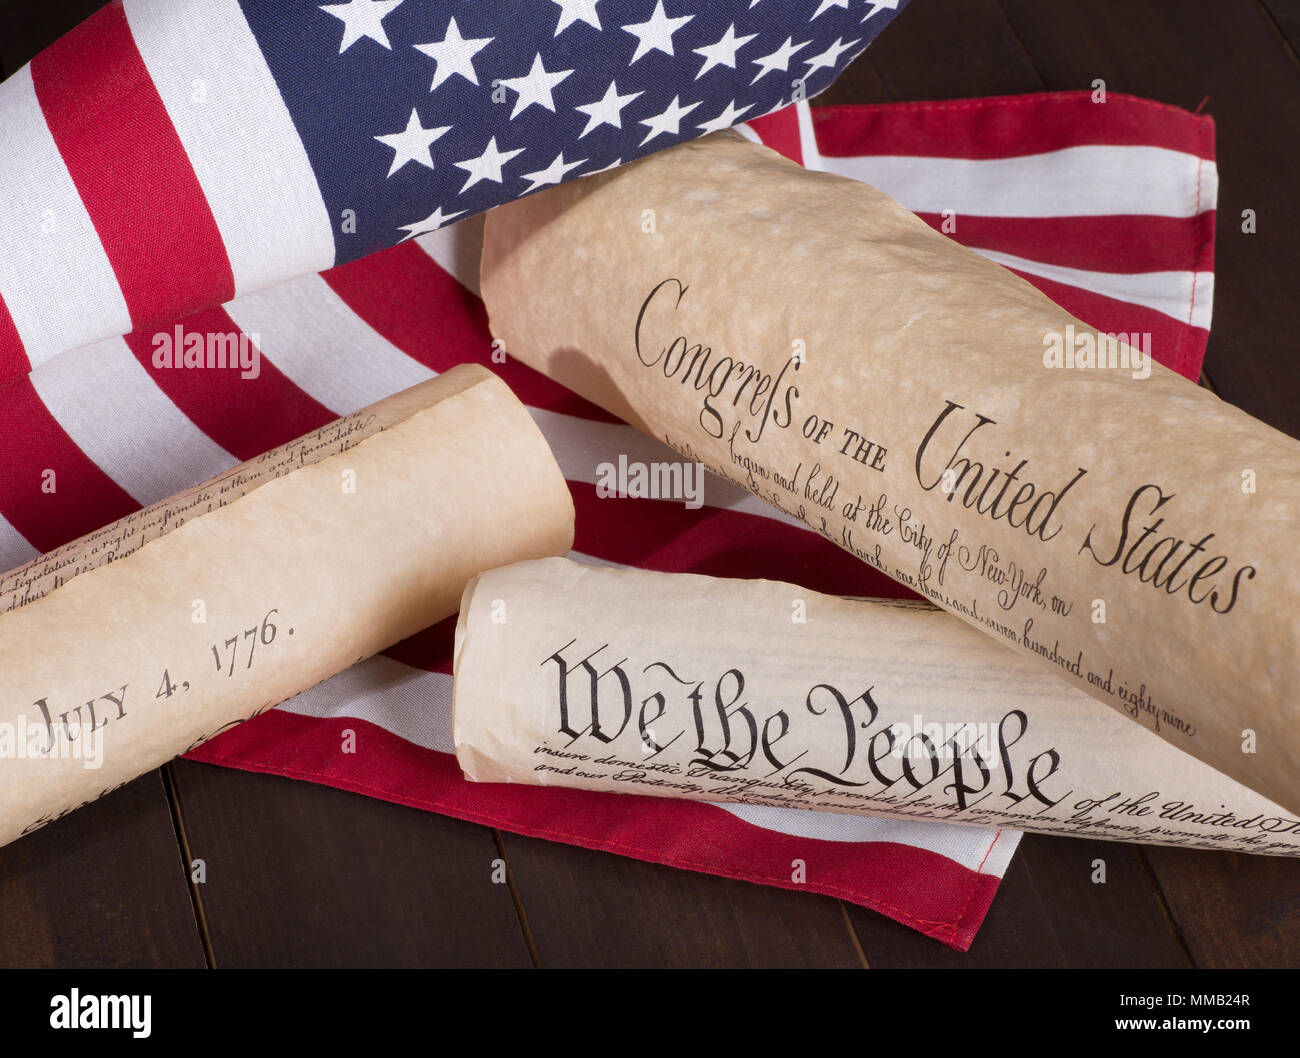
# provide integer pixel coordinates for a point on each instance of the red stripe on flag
(1119, 244)
(923, 889)
(449, 325)
(246, 416)
(1177, 345)
(1009, 126)
(131, 171)
(780, 131)
(13, 357)
(82, 497)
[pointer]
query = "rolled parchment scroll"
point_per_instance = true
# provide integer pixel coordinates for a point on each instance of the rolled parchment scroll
(758, 692)
(808, 338)
(141, 640)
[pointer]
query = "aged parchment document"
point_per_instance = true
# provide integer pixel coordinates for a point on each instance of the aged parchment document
(139, 641)
(678, 685)
(808, 338)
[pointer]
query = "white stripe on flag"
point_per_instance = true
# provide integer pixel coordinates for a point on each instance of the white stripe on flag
(458, 250)
(239, 136)
(410, 703)
(14, 548)
(139, 438)
(1169, 293)
(47, 240)
(966, 845)
(999, 857)
(812, 157)
(1090, 181)
(592, 560)
(323, 347)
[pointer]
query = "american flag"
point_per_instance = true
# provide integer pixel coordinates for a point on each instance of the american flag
(1043, 184)
(166, 156)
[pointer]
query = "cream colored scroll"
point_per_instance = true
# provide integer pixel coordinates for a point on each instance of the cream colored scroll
(806, 337)
(758, 692)
(147, 637)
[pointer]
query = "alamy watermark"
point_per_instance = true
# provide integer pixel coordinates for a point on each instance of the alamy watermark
(76, 1011)
(1125, 351)
(655, 481)
(921, 741)
(213, 350)
(43, 739)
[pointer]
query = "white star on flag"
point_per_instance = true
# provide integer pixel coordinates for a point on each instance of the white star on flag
(487, 166)
(726, 119)
(826, 5)
(723, 51)
(669, 121)
(880, 5)
(572, 11)
(612, 165)
(552, 174)
(606, 110)
(779, 59)
(454, 55)
(412, 143)
(362, 18)
(829, 58)
(432, 222)
(535, 87)
(656, 33)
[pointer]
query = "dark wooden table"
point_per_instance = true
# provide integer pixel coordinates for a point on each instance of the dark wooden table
(303, 875)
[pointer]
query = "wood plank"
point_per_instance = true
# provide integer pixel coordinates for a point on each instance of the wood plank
(1232, 54)
(1048, 913)
(1285, 14)
(1235, 910)
(939, 49)
(27, 27)
(309, 876)
(595, 909)
(103, 887)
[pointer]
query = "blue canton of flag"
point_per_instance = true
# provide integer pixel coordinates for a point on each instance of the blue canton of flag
(415, 113)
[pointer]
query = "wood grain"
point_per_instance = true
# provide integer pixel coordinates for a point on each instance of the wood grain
(102, 887)
(1285, 15)
(1050, 913)
(939, 49)
(27, 26)
(306, 875)
(595, 909)
(1234, 910)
